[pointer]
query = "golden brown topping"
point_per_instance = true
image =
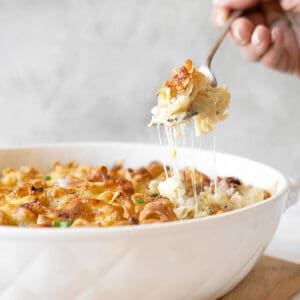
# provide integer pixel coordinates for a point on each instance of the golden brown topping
(43, 220)
(24, 217)
(76, 208)
(159, 210)
(181, 80)
(21, 191)
(140, 178)
(72, 164)
(215, 209)
(193, 179)
(124, 200)
(99, 174)
(3, 218)
(267, 195)
(35, 206)
(124, 185)
(55, 164)
(233, 182)
(80, 195)
(84, 223)
(56, 192)
(155, 168)
(116, 170)
(38, 186)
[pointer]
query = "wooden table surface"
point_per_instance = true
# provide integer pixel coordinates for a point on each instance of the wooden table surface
(271, 279)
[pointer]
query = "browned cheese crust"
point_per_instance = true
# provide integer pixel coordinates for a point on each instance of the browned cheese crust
(81, 195)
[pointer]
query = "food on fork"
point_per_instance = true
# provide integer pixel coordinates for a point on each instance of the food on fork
(189, 93)
(81, 195)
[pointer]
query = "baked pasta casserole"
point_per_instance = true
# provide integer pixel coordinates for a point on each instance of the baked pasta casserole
(189, 93)
(81, 195)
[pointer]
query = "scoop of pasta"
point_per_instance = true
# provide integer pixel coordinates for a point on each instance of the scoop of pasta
(189, 92)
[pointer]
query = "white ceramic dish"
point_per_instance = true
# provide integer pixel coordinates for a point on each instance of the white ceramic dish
(195, 259)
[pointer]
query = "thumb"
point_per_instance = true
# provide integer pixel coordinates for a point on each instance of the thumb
(237, 4)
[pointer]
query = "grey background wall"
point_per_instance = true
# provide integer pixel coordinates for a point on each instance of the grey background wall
(88, 70)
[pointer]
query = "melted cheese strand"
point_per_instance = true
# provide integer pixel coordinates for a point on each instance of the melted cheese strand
(214, 174)
(193, 171)
(161, 143)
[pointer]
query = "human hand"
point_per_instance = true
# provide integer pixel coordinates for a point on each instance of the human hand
(269, 33)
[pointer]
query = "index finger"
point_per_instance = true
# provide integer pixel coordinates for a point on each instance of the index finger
(237, 4)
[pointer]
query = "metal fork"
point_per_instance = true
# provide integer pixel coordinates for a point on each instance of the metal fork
(205, 68)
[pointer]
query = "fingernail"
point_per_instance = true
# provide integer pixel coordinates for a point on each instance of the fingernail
(221, 19)
(255, 39)
(237, 33)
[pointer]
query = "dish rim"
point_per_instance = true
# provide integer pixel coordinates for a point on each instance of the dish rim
(40, 232)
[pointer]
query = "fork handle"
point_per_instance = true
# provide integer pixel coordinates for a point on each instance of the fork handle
(213, 50)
